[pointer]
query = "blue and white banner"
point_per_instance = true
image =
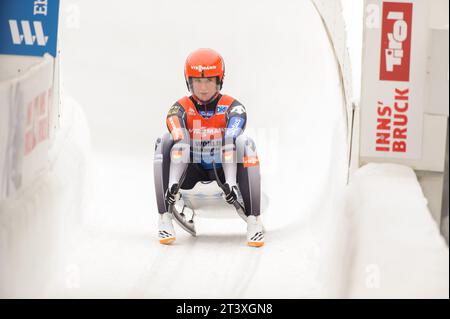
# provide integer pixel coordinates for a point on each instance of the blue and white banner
(29, 27)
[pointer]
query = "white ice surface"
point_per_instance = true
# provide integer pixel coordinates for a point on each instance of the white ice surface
(125, 69)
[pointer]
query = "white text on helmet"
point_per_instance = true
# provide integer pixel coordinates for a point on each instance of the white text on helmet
(201, 68)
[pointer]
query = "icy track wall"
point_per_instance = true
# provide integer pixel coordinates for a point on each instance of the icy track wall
(42, 171)
(331, 14)
(339, 254)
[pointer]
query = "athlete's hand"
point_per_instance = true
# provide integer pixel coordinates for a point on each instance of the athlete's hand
(230, 193)
(172, 194)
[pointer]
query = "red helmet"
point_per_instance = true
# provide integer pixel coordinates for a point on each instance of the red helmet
(204, 63)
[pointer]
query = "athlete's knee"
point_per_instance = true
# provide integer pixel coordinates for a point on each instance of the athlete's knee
(167, 149)
(180, 152)
(163, 144)
(246, 149)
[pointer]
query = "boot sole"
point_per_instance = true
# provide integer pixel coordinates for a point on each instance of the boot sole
(255, 244)
(167, 241)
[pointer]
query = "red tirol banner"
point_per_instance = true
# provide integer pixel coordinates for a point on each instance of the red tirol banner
(393, 85)
(396, 41)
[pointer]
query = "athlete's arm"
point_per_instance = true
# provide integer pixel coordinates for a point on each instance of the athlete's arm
(236, 122)
(176, 123)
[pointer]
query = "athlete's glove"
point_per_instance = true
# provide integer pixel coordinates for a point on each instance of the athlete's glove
(230, 193)
(172, 194)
